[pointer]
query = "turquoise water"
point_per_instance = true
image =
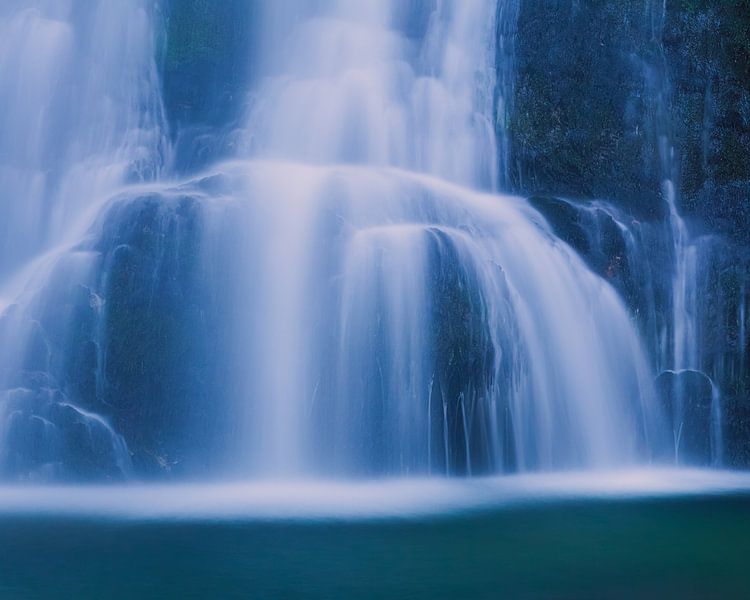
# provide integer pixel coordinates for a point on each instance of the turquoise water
(689, 545)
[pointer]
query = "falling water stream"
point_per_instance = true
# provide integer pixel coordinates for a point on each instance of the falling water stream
(80, 114)
(690, 254)
(350, 294)
(265, 289)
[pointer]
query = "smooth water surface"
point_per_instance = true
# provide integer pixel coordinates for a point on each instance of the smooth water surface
(634, 534)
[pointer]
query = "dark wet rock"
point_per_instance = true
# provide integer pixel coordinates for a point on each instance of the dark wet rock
(631, 255)
(205, 68)
(132, 340)
(724, 297)
(583, 120)
(711, 109)
(152, 327)
(463, 367)
(566, 221)
(47, 437)
(36, 354)
(736, 431)
(35, 380)
(579, 125)
(688, 400)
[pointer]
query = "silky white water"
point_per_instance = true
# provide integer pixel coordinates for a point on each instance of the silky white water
(336, 500)
(80, 114)
(351, 295)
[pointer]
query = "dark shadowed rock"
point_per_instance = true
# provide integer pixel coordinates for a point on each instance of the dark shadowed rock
(49, 438)
(688, 399)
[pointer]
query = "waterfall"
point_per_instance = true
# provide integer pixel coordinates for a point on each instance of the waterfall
(349, 86)
(349, 295)
(80, 114)
(690, 254)
(410, 317)
(507, 22)
(672, 272)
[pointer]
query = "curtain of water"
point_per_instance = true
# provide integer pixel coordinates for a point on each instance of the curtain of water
(350, 291)
(455, 334)
(80, 114)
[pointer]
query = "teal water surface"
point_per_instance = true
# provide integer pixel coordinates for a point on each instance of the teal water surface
(687, 547)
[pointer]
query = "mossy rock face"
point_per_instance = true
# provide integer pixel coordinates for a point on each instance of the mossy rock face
(584, 123)
(205, 65)
(707, 47)
(578, 127)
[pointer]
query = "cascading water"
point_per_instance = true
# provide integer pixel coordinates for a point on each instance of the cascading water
(434, 361)
(681, 343)
(80, 114)
(411, 331)
(348, 296)
(505, 62)
(675, 274)
(349, 86)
